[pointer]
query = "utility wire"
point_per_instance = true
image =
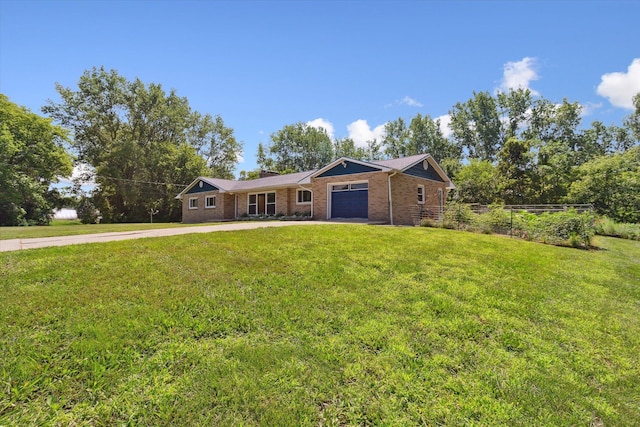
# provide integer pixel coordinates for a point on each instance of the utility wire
(139, 181)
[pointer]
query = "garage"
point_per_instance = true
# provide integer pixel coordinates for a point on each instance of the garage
(350, 200)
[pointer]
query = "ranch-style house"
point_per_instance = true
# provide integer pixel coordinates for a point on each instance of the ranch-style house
(397, 191)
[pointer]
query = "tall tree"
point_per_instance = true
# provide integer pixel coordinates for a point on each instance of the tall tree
(633, 121)
(217, 144)
(142, 142)
(478, 182)
(612, 184)
(551, 122)
(516, 167)
(514, 107)
(396, 137)
(32, 156)
(477, 127)
(346, 147)
(425, 136)
(299, 147)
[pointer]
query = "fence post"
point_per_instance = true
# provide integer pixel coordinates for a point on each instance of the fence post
(511, 223)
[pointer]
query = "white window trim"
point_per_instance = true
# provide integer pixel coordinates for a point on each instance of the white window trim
(424, 194)
(300, 190)
(190, 205)
(206, 202)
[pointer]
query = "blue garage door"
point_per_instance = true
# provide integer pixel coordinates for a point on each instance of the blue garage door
(350, 200)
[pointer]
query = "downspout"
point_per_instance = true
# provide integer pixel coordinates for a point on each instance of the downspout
(312, 198)
(236, 206)
(391, 199)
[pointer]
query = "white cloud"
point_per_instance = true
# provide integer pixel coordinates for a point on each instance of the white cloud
(518, 75)
(324, 124)
(444, 125)
(589, 108)
(361, 132)
(410, 102)
(619, 88)
(83, 173)
(407, 100)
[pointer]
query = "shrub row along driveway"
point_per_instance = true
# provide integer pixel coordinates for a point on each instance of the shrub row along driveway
(42, 242)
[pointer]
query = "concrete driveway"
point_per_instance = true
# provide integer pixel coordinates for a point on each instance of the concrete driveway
(42, 242)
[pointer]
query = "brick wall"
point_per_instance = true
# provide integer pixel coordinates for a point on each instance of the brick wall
(203, 214)
(404, 189)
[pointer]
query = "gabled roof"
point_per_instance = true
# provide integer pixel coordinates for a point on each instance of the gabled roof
(402, 163)
(344, 161)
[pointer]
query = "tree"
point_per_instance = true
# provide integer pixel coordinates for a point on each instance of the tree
(217, 144)
(477, 127)
(423, 135)
(396, 138)
(633, 121)
(514, 110)
(32, 157)
(612, 184)
(517, 171)
(478, 182)
(299, 147)
(346, 147)
(142, 142)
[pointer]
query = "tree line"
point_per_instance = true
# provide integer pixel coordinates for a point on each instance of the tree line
(143, 144)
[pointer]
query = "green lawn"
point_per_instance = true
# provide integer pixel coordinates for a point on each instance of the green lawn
(72, 228)
(321, 325)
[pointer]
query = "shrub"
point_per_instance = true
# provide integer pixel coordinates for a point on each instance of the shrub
(496, 220)
(607, 227)
(563, 227)
(87, 212)
(457, 215)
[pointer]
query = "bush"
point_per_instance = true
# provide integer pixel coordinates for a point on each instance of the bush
(457, 215)
(496, 220)
(87, 212)
(562, 228)
(607, 227)
(566, 228)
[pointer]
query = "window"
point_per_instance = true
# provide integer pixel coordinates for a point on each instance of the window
(262, 203)
(350, 187)
(360, 186)
(193, 203)
(421, 194)
(210, 202)
(303, 197)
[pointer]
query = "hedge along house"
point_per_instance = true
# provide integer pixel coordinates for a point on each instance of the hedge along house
(397, 191)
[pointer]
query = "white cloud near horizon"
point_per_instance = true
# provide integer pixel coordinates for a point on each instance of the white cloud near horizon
(619, 87)
(519, 74)
(321, 123)
(361, 132)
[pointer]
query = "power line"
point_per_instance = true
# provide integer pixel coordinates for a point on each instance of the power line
(137, 181)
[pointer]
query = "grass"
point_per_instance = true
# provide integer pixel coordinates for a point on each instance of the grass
(73, 228)
(323, 325)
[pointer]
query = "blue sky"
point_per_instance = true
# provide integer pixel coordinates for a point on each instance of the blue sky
(350, 66)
